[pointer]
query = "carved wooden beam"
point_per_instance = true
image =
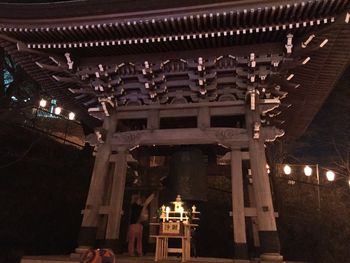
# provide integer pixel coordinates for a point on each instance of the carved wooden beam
(50, 67)
(67, 79)
(267, 105)
(226, 136)
(271, 133)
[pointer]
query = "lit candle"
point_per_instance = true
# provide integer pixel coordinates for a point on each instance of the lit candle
(163, 213)
(167, 210)
(181, 213)
(194, 209)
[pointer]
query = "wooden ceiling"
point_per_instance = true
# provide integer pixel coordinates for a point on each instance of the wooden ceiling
(124, 31)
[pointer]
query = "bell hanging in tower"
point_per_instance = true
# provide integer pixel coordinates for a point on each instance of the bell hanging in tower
(188, 174)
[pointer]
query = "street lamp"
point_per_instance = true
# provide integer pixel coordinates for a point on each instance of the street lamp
(307, 170)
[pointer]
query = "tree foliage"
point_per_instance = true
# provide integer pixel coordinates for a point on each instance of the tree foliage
(20, 89)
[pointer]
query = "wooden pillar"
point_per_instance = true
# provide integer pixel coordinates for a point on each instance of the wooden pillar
(254, 221)
(203, 118)
(91, 217)
(268, 236)
(115, 207)
(239, 229)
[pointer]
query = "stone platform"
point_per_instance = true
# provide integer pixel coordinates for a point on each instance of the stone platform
(127, 259)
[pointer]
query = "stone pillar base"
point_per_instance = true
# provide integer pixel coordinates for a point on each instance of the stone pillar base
(269, 242)
(271, 258)
(81, 249)
(87, 237)
(240, 251)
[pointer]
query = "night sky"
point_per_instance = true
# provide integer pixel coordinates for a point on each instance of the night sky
(330, 129)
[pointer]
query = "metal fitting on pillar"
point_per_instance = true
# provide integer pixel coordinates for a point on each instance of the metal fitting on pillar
(256, 130)
(252, 93)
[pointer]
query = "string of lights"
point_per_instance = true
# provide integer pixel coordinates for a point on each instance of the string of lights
(56, 109)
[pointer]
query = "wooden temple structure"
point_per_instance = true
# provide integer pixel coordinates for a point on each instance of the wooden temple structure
(229, 75)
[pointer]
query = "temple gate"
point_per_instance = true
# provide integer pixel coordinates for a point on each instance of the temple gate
(245, 139)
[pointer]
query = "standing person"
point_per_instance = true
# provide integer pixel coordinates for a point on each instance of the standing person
(138, 215)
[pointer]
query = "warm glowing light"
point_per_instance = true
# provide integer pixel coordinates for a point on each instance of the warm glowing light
(58, 110)
(287, 169)
(307, 170)
(167, 211)
(330, 175)
(194, 209)
(181, 213)
(42, 103)
(163, 213)
(71, 116)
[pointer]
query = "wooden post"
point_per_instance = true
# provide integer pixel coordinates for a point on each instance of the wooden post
(268, 235)
(239, 230)
(153, 211)
(87, 235)
(254, 221)
(116, 201)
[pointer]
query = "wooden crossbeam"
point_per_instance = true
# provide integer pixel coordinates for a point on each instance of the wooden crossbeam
(227, 136)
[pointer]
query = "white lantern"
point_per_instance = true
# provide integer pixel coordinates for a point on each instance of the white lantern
(287, 169)
(58, 110)
(330, 175)
(307, 170)
(42, 103)
(71, 116)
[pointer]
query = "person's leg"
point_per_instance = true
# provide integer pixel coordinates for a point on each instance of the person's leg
(139, 239)
(132, 236)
